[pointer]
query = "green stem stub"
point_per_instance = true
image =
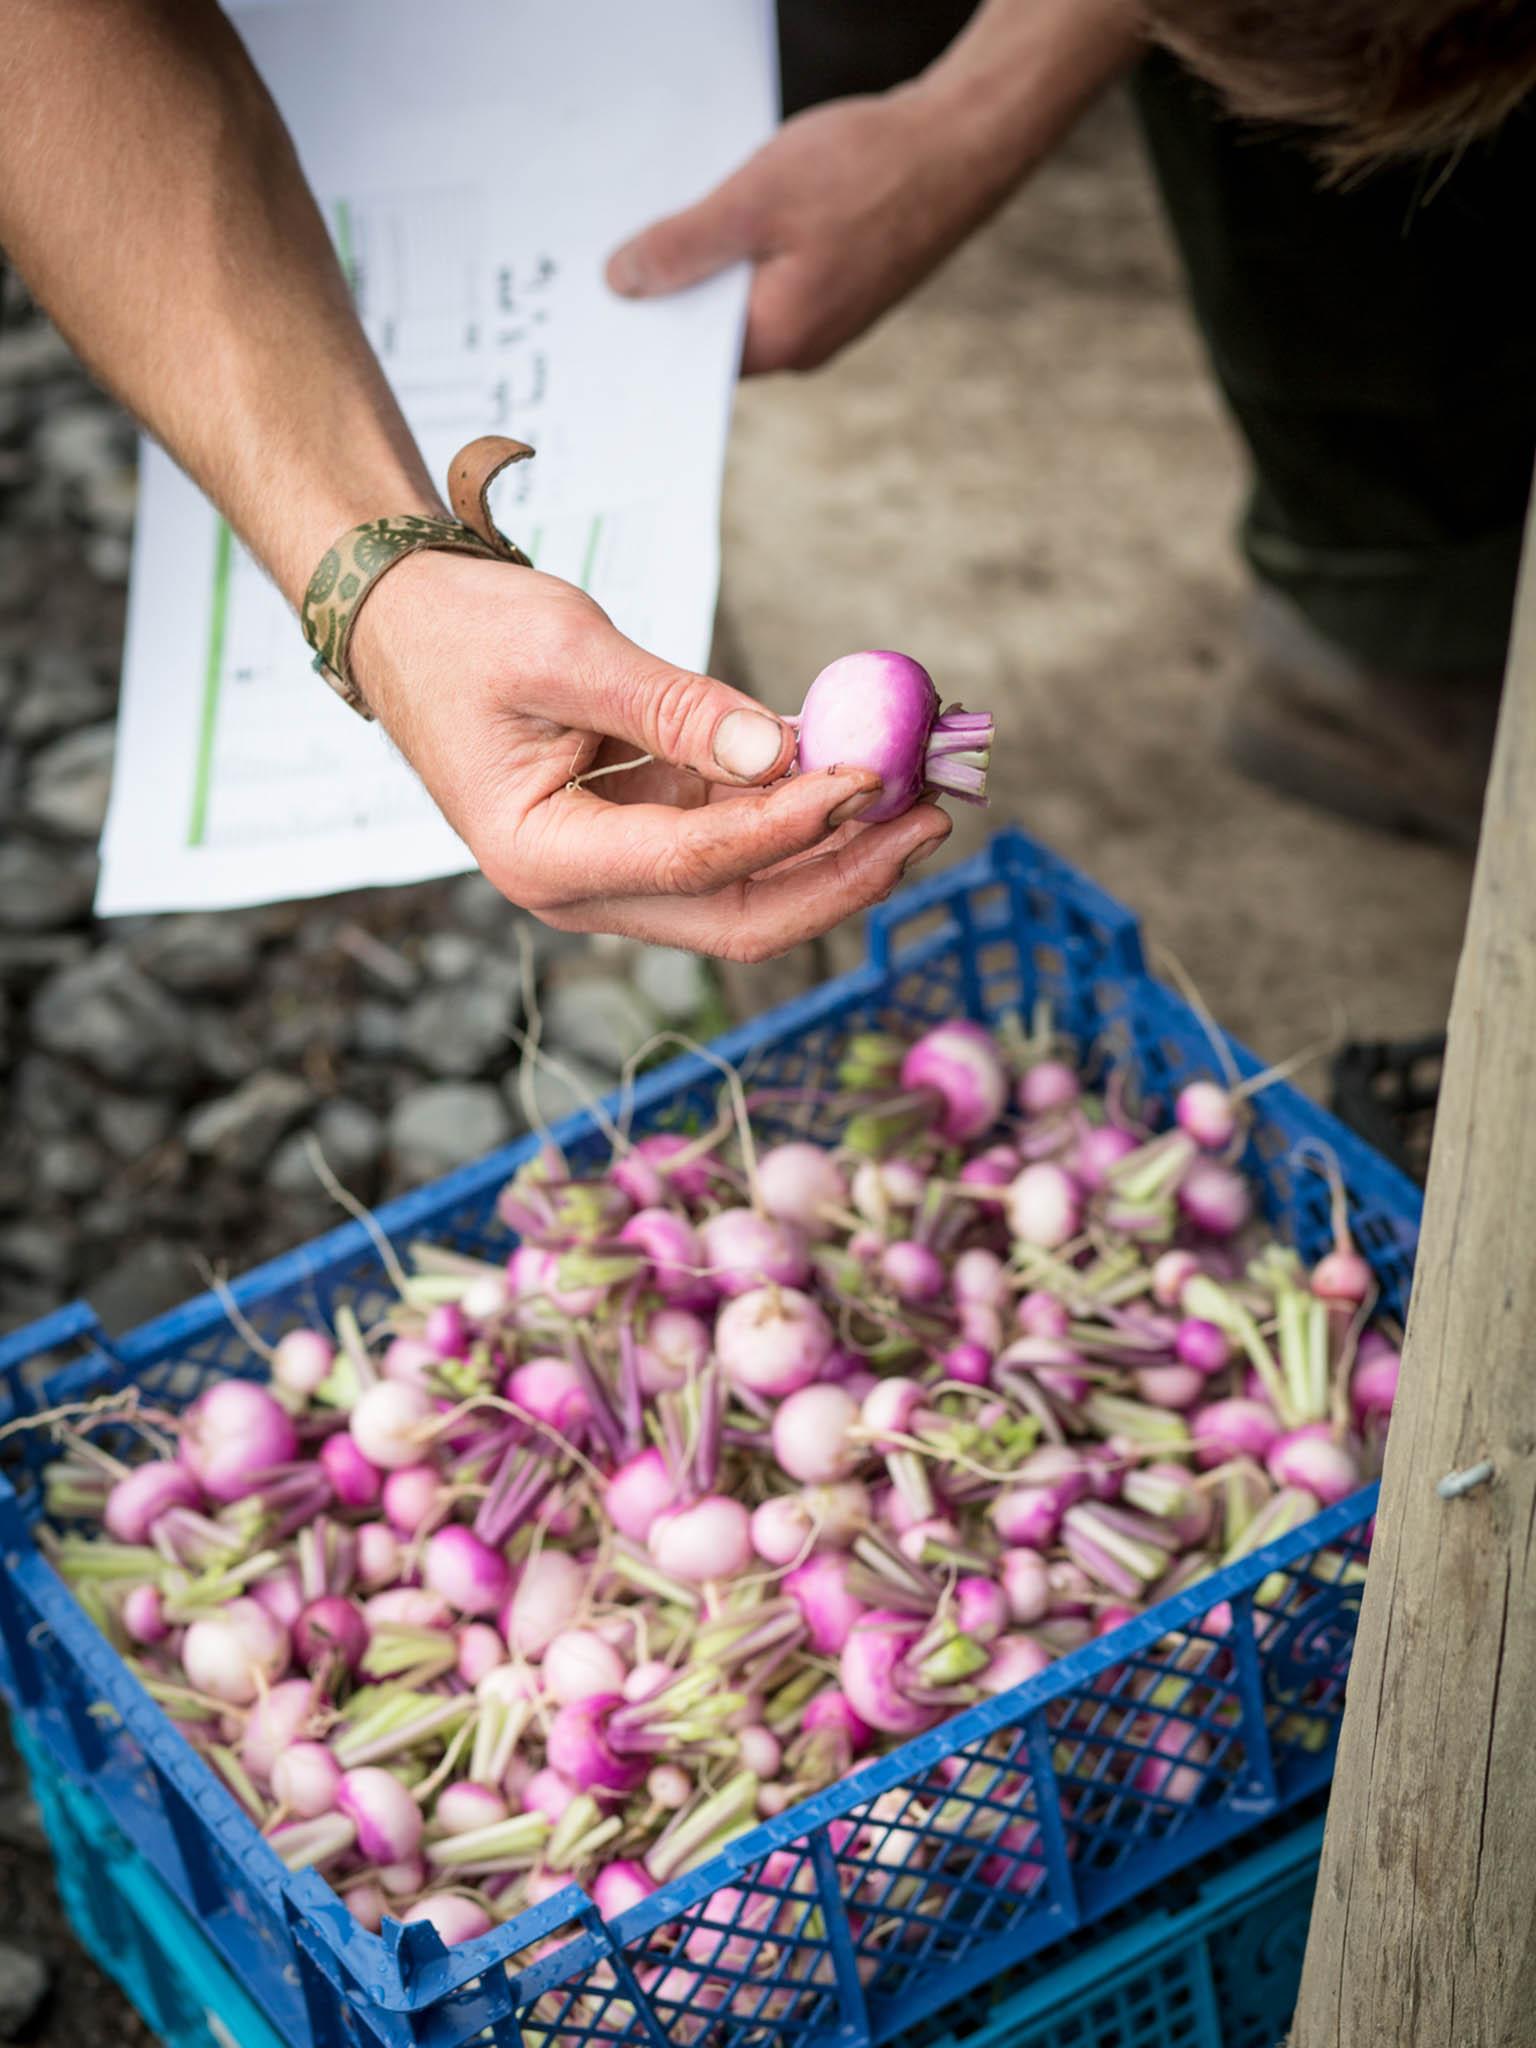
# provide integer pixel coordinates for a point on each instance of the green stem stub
(696, 1835)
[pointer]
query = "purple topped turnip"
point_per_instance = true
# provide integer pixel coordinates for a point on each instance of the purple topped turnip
(881, 711)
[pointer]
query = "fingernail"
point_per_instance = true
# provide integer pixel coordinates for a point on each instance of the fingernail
(624, 274)
(747, 743)
(854, 806)
(919, 854)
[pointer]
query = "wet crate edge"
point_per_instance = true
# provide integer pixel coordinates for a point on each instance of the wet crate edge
(995, 934)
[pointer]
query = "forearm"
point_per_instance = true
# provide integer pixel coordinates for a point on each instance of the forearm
(1013, 83)
(151, 198)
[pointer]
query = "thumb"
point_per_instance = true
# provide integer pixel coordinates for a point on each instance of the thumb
(688, 720)
(682, 249)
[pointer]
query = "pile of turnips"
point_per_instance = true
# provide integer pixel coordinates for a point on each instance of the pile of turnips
(749, 1461)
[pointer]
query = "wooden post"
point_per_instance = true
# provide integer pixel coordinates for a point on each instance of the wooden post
(1424, 1930)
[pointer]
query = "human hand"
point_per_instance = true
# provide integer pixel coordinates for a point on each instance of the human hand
(501, 686)
(843, 212)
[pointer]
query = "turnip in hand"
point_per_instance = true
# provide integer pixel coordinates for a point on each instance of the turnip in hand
(881, 711)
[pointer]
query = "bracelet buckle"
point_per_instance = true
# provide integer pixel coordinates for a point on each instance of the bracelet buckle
(352, 566)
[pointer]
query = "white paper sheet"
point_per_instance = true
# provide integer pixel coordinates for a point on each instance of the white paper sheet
(477, 161)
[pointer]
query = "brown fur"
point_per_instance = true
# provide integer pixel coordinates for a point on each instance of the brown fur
(1378, 79)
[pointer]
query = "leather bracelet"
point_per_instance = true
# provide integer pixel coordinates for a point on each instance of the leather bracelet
(353, 565)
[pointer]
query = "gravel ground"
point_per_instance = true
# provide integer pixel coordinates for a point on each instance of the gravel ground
(1023, 477)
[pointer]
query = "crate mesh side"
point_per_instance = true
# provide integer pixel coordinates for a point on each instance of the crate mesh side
(1256, 1962)
(1167, 2005)
(1307, 1615)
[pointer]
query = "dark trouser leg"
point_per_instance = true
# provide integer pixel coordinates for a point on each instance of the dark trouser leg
(829, 49)
(1377, 346)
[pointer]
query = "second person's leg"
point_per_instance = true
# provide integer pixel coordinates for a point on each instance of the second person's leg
(1377, 347)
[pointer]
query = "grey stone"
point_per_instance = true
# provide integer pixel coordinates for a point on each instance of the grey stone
(109, 556)
(144, 1282)
(32, 352)
(70, 781)
(240, 1130)
(318, 937)
(381, 964)
(477, 907)
(461, 1030)
(15, 1178)
(605, 1021)
(12, 776)
(137, 925)
(297, 1034)
(18, 580)
(75, 442)
(280, 920)
(112, 1220)
(484, 909)
(10, 684)
(224, 1047)
(43, 887)
(131, 1125)
(199, 953)
(111, 499)
(504, 972)
(23, 1987)
(22, 1302)
(349, 1135)
(21, 1825)
(676, 985)
(24, 961)
(113, 1018)
(450, 956)
(351, 1130)
(444, 1125)
(51, 1099)
(65, 689)
(555, 1095)
(70, 1166)
(376, 1031)
(41, 1250)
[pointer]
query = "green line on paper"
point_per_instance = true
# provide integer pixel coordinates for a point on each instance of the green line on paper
(213, 674)
(344, 243)
(591, 556)
(532, 549)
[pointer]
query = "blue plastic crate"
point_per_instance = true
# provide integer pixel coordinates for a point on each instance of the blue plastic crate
(133, 1925)
(859, 1946)
(1219, 1966)
(1216, 1966)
